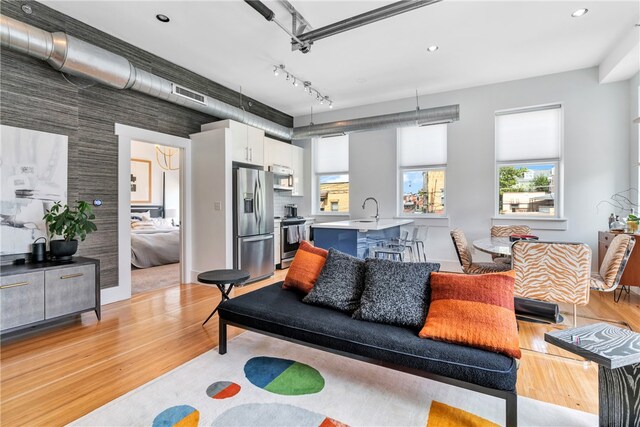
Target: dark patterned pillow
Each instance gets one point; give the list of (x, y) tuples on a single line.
[(396, 293), (340, 282)]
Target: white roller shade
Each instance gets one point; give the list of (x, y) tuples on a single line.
[(422, 146), (529, 135), (332, 154)]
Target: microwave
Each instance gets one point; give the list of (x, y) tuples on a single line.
[(282, 177)]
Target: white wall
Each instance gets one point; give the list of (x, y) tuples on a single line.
[(147, 151), (634, 137), (596, 136)]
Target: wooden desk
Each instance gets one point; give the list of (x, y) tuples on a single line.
[(631, 275)]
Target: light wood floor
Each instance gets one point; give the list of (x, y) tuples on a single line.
[(56, 376)]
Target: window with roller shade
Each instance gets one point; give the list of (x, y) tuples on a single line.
[(422, 165), (331, 169), (529, 161)]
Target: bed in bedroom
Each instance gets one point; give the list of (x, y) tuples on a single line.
[(154, 241)]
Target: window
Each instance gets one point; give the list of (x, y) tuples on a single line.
[(331, 168), (528, 161), (422, 164)]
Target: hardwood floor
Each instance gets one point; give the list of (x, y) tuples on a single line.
[(53, 377)]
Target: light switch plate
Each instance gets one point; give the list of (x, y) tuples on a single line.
[(217, 206)]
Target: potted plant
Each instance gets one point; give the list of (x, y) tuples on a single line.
[(69, 223)]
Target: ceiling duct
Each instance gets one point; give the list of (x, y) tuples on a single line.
[(73, 56), (76, 57), (417, 117)]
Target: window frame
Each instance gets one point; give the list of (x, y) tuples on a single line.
[(559, 163), (400, 198), (315, 203)]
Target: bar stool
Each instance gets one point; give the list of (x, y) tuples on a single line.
[(393, 250), (418, 245)]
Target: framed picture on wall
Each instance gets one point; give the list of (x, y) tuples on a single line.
[(140, 181)]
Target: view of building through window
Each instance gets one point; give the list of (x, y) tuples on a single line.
[(334, 193), (527, 189), (423, 191)]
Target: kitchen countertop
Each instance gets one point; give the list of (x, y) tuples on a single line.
[(364, 224)]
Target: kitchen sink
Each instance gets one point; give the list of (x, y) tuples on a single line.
[(365, 220)]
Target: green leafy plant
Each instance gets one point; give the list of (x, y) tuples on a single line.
[(70, 223)]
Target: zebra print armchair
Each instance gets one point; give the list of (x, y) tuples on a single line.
[(552, 271), (613, 264), (466, 261), (506, 231)]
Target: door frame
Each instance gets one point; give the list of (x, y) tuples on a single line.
[(125, 134)]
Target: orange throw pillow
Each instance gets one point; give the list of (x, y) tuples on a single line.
[(305, 268), (474, 310)]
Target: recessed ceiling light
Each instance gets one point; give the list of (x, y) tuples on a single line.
[(432, 48), (162, 18), (580, 12), (26, 9)]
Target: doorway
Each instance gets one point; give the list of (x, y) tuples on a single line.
[(155, 216), (127, 134)]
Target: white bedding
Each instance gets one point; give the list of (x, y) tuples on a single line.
[(154, 243)]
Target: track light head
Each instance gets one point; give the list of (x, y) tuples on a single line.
[(330, 104), (276, 71)]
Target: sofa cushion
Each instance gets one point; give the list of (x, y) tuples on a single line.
[(305, 267), (340, 282), (396, 293), (474, 310), (281, 312)]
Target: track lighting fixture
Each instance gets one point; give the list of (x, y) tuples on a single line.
[(307, 86)]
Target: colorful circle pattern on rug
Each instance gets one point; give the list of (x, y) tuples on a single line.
[(282, 376), (222, 390), (178, 416), (273, 415)]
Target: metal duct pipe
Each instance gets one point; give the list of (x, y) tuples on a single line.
[(76, 57), (429, 116), (364, 19)]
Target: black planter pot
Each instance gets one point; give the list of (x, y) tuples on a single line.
[(62, 249)]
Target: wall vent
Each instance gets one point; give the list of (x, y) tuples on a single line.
[(187, 93)]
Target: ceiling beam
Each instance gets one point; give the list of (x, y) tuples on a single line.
[(623, 62)]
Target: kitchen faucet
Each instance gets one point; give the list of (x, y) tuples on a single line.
[(365, 202)]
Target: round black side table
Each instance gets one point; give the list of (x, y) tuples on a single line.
[(220, 278)]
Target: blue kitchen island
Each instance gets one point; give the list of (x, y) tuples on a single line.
[(355, 237)]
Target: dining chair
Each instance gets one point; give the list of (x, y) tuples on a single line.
[(552, 271), (506, 231), (608, 277), (466, 261)]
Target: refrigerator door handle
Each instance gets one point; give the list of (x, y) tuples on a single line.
[(257, 238)]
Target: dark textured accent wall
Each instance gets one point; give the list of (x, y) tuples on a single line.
[(35, 96)]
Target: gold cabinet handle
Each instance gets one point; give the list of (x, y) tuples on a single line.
[(13, 285), (71, 276)]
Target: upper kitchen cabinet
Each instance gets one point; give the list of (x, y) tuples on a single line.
[(276, 153), (247, 143), (297, 164)]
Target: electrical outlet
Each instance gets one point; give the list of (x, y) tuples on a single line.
[(217, 206)]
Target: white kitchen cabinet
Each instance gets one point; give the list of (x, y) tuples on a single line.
[(276, 153), (247, 143), (297, 164)]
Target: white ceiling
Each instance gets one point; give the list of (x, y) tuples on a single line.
[(480, 42)]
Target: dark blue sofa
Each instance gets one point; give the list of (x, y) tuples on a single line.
[(281, 313)]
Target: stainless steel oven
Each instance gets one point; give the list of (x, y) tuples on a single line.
[(291, 234)]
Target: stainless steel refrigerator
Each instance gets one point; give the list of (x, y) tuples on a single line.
[(253, 222)]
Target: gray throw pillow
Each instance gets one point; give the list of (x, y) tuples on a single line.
[(396, 293), (340, 282)]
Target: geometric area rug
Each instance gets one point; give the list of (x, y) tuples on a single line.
[(263, 381)]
